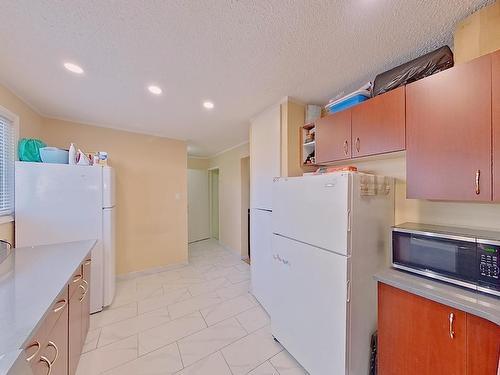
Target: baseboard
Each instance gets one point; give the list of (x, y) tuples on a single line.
[(150, 271)]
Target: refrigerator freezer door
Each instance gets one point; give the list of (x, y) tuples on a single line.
[(314, 210), (261, 238), (109, 254), (61, 203), (310, 316), (108, 187)]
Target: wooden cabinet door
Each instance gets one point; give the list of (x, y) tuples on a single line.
[(378, 125), (86, 299), (448, 134), (483, 346), (58, 345), (415, 335), (75, 328), (495, 75), (333, 137)]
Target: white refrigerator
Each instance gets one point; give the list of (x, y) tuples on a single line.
[(331, 234), (265, 165), (63, 203)]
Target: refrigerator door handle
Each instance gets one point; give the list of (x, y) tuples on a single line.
[(348, 298)]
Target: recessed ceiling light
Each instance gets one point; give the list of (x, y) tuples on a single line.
[(208, 105), (73, 68), (155, 90)]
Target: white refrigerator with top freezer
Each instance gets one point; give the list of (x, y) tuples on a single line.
[(63, 203), (331, 234)]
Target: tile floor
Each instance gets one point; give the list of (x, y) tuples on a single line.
[(198, 319)]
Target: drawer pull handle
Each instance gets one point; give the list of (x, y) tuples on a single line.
[(47, 362), (478, 178), (53, 345), (77, 278), (64, 303), (37, 344), (87, 262), (85, 289), (452, 332), (358, 144), (346, 148)]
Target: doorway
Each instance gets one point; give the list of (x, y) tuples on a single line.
[(198, 205), (245, 207), (213, 182)]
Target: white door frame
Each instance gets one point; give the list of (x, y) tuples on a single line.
[(210, 176)]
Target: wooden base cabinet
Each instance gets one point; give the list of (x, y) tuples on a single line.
[(56, 347), (417, 336)]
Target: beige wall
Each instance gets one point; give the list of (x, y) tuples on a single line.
[(151, 188), (431, 212), (229, 164), (30, 125), (197, 163), (151, 171)]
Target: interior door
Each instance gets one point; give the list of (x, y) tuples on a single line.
[(378, 125), (198, 205), (310, 305), (261, 239), (333, 137), (496, 123), (448, 134), (414, 335)]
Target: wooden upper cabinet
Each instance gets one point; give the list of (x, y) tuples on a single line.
[(333, 137), (495, 75), (417, 336), (378, 125), (483, 346), (448, 134)]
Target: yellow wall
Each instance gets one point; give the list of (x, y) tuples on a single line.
[(431, 212), (151, 222), (151, 227), (229, 164), (30, 125), (197, 163)]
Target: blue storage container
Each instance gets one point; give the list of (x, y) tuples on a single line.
[(54, 155), (348, 102)]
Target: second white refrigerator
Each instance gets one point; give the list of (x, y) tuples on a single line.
[(330, 236)]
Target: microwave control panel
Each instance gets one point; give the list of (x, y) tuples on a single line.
[(489, 263)]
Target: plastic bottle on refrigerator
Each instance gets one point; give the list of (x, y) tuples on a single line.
[(72, 154)]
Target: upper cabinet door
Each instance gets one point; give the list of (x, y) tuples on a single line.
[(333, 137), (495, 64), (378, 125), (448, 134)]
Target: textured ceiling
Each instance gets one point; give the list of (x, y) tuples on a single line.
[(243, 55)]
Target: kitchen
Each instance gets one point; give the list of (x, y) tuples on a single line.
[(314, 293)]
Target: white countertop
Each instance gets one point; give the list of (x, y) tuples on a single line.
[(37, 277)]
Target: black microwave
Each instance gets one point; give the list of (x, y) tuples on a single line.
[(466, 257)]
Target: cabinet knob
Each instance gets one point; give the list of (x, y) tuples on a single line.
[(346, 147), (452, 319), (478, 178), (358, 144), (85, 289)]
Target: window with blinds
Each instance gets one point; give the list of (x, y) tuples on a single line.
[(7, 156)]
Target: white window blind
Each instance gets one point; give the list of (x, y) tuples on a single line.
[(7, 156)]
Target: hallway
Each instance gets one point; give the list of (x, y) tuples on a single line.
[(197, 319)]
